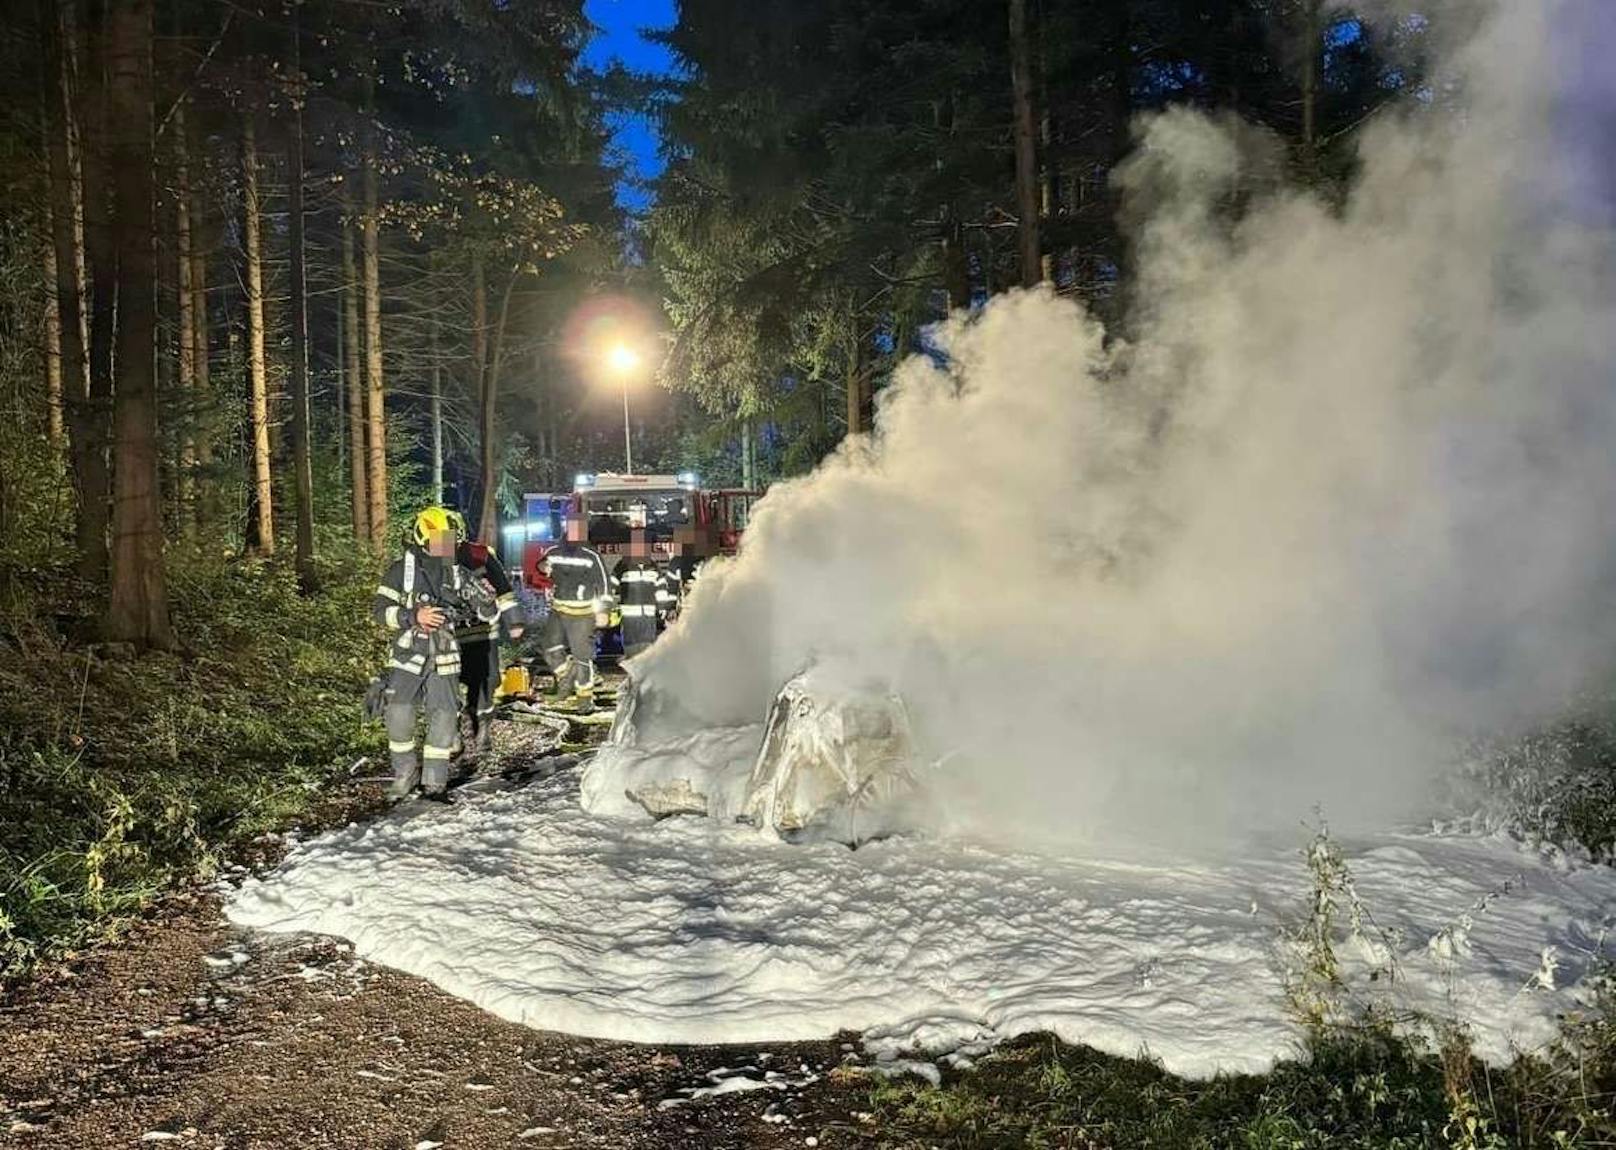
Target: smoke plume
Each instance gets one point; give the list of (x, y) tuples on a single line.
[(1344, 496)]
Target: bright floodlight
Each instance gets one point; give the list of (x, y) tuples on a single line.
[(623, 359)]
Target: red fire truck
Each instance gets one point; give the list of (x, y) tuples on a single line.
[(672, 508)]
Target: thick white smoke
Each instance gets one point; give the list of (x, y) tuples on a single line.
[(1348, 494)]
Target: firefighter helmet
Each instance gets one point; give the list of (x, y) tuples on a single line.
[(429, 522), (457, 524)]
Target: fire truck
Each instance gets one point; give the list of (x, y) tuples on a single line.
[(672, 508)]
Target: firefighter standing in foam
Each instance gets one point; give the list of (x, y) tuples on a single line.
[(579, 591), (643, 595), (417, 602), (479, 639)]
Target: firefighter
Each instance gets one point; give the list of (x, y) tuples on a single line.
[(579, 602), (479, 640), (689, 551), (424, 593), (642, 595)]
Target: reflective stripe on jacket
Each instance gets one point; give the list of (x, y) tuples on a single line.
[(642, 589), (578, 577)]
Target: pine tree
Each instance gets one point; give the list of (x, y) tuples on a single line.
[(137, 603)]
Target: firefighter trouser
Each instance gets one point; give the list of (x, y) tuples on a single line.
[(479, 673), (432, 770), (639, 630), (568, 642)]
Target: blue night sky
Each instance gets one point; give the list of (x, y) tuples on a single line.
[(619, 23)]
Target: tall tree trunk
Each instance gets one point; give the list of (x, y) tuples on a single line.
[(748, 464), (987, 253), (479, 368), (302, 462), (488, 520), (1121, 82), (66, 261), (342, 389), (855, 383), (95, 476), (137, 603), (1026, 144), (479, 357), (186, 360), (1122, 65), (956, 268), (553, 422), (358, 461), (437, 410), (822, 437), (545, 422), (1048, 176), (1312, 47), (201, 411), (51, 334), (261, 511), (541, 415), (376, 405), (165, 296)]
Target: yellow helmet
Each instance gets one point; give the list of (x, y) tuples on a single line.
[(457, 524), (429, 522)]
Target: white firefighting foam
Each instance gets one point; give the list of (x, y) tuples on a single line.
[(692, 930), (1344, 495)]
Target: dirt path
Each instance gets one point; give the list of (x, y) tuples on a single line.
[(194, 1033)]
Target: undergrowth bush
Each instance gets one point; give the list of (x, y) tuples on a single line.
[(1554, 785), (121, 776)]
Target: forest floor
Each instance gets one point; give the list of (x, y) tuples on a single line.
[(191, 1031), (194, 1032), (187, 1029)]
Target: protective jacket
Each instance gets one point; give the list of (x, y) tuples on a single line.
[(683, 569), (641, 595), (418, 580), (644, 590), (578, 578), (481, 561)]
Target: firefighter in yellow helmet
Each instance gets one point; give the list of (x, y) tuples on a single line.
[(424, 594)]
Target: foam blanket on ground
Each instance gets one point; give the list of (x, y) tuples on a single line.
[(687, 930)]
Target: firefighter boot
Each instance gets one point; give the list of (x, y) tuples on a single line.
[(482, 726), (404, 782)]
